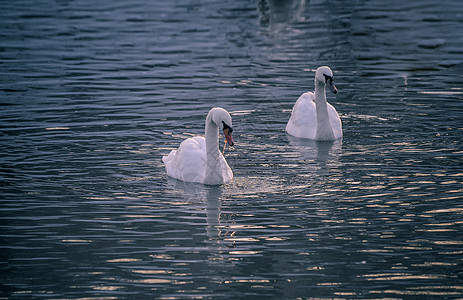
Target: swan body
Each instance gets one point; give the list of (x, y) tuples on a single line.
[(198, 159), (312, 116)]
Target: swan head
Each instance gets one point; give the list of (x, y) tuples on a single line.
[(325, 75), (223, 120)]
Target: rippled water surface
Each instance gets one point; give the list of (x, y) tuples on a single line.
[(94, 93)]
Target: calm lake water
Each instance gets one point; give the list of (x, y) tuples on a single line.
[(94, 93)]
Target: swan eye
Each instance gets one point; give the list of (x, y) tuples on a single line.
[(328, 78), (225, 126)]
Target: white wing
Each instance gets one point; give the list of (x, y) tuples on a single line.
[(303, 120)]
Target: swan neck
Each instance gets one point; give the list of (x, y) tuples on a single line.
[(324, 131), (212, 176), (320, 100), (212, 138)]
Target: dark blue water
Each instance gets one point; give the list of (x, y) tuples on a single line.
[(93, 94)]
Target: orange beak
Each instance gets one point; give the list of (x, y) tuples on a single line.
[(228, 137)]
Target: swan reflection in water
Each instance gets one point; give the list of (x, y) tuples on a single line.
[(216, 237), (219, 239), (281, 11), (320, 152)]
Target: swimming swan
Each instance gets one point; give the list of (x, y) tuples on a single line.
[(312, 117), (198, 159)]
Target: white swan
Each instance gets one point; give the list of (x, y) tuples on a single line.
[(312, 117), (198, 159)]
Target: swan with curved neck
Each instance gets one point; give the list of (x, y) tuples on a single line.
[(312, 116), (198, 159)]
